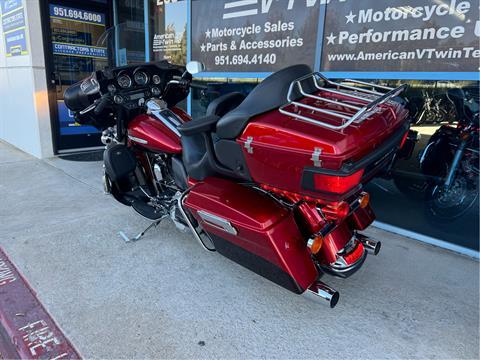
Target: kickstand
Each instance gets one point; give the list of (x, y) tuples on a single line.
[(140, 235)]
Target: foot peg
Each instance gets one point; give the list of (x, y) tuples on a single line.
[(140, 235), (370, 245), (323, 292)]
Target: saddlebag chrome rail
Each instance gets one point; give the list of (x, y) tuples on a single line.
[(377, 95)]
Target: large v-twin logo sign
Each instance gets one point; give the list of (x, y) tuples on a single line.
[(255, 35), (241, 8)]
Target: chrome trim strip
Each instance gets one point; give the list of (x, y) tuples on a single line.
[(167, 123), (217, 222), (138, 140)]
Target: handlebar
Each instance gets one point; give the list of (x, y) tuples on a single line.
[(103, 102), (100, 104)]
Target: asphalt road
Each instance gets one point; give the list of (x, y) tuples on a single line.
[(163, 297)]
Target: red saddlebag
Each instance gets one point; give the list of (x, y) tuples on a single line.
[(254, 231)]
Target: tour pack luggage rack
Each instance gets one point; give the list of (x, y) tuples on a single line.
[(375, 94)]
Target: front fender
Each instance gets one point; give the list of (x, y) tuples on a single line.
[(437, 153)]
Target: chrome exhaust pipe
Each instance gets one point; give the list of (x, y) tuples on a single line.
[(323, 292), (370, 245)]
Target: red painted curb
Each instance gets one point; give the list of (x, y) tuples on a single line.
[(26, 325)]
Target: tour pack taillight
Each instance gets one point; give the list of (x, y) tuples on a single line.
[(336, 184)]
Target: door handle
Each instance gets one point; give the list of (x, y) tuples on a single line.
[(56, 76)]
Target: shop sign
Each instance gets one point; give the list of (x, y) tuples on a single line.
[(14, 27), (79, 50), (402, 35), (254, 35)]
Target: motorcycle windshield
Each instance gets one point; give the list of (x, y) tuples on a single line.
[(124, 43)]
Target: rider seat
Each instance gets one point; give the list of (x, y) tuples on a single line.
[(270, 94), (209, 146)]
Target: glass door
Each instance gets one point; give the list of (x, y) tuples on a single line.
[(73, 31)]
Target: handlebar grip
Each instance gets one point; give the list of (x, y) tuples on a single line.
[(101, 105)]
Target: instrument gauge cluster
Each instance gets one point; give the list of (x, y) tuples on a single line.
[(156, 79), (129, 83), (124, 81), (141, 78)]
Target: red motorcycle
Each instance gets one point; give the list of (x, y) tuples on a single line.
[(272, 180)]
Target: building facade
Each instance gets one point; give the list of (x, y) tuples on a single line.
[(48, 45)]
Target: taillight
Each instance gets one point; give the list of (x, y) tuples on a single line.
[(337, 184)]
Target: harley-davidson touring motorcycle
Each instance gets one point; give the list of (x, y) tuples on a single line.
[(450, 160), (273, 180)]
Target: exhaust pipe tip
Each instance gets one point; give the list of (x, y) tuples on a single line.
[(376, 250), (324, 293), (334, 299), (370, 245)]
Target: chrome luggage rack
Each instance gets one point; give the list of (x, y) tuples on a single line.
[(374, 97)]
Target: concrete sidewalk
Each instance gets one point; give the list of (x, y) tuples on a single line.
[(164, 297)]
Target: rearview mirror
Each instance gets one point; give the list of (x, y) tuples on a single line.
[(195, 67)]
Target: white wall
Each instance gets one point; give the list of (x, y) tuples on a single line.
[(24, 111)]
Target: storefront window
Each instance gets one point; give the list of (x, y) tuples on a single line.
[(415, 198), (130, 32), (168, 31)]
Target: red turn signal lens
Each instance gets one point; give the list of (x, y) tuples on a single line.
[(337, 184), (315, 244)]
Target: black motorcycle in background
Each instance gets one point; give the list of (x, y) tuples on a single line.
[(450, 160), (432, 109)]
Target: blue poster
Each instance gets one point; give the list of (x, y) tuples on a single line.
[(13, 20), (84, 16), (9, 5), (68, 125), (14, 28), (79, 50), (16, 43)]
